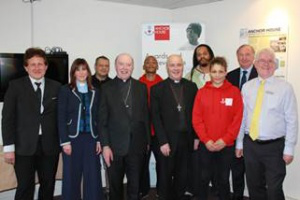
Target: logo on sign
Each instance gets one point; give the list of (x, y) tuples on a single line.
[(149, 30), (162, 32)]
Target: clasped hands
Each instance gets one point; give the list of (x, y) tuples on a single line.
[(215, 146)]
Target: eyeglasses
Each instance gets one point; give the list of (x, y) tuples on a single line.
[(265, 62)]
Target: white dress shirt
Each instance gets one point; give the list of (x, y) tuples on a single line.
[(278, 117)]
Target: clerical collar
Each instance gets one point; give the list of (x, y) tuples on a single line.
[(123, 81), (175, 81)]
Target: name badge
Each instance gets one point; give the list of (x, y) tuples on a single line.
[(228, 101)]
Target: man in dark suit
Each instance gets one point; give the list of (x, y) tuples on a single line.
[(124, 128), (246, 71), (172, 102), (29, 128)]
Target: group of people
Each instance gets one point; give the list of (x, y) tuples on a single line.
[(200, 127)]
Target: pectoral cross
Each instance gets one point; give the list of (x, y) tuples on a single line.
[(179, 107)]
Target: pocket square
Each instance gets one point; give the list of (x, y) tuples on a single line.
[(53, 98)]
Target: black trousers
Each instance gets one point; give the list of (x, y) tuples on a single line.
[(194, 171), (238, 177), (131, 165), (145, 177), (173, 171), (265, 169), (219, 163), (25, 168)]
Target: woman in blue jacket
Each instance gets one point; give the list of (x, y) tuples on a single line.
[(78, 104)]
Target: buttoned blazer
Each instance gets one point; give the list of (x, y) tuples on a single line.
[(70, 110), (165, 114), (122, 133), (21, 117)]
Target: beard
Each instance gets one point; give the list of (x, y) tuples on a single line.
[(203, 62)]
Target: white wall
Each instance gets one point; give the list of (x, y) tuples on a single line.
[(223, 22), (83, 28)]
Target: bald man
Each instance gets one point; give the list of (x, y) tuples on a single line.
[(172, 102), (124, 129)]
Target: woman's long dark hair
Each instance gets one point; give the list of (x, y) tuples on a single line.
[(80, 62), (195, 61)]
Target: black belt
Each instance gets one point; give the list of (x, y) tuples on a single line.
[(265, 141)]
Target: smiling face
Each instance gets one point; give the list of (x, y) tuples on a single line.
[(102, 67), (81, 74), (217, 74), (265, 64), (245, 57), (175, 67), (150, 65), (124, 66), (36, 67)]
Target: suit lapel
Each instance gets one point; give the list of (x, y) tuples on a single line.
[(253, 73)]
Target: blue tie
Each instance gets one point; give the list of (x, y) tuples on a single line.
[(244, 79)]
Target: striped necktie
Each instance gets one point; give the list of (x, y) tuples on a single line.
[(254, 127)]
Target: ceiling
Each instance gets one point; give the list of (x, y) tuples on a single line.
[(168, 4)]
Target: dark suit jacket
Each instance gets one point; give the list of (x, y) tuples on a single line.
[(21, 117), (69, 113), (165, 114), (234, 76), (122, 133)]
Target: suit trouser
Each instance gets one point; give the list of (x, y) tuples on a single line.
[(131, 165), (145, 177), (82, 164), (173, 171), (265, 169), (238, 177), (25, 168), (194, 170), (221, 160)]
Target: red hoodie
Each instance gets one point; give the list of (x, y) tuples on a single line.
[(149, 84), (218, 113)]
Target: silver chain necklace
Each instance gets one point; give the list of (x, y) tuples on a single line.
[(127, 95)]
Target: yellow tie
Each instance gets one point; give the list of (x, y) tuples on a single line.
[(254, 127)]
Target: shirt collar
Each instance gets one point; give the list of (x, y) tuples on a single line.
[(248, 70), (33, 81), (268, 80)]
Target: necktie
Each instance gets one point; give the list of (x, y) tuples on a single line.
[(38, 93), (244, 79), (254, 127)]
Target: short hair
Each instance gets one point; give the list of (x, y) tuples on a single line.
[(265, 50), (101, 57), (148, 57), (77, 63), (196, 27), (219, 61), (174, 55), (245, 45), (124, 54), (34, 51)]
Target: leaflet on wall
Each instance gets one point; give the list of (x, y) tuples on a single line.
[(164, 39), (274, 38)]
